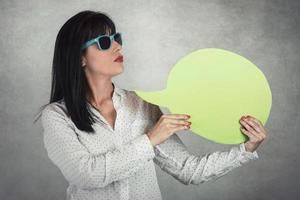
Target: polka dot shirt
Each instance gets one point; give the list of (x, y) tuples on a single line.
[(118, 163)]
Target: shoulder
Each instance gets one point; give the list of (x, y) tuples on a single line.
[(54, 111), (132, 100), (147, 109)]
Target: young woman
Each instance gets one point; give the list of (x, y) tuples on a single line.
[(105, 139)]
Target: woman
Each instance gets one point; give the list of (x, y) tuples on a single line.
[(105, 139)]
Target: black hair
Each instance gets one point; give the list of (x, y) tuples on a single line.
[(68, 77)]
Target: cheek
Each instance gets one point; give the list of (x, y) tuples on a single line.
[(100, 61)]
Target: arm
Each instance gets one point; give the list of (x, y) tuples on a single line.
[(87, 170), (172, 157)]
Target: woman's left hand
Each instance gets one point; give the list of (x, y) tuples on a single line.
[(254, 129)]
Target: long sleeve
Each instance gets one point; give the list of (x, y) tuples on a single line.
[(87, 170), (173, 157)]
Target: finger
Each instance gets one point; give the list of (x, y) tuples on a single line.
[(179, 121), (179, 128), (253, 124), (258, 122), (262, 131), (176, 116), (249, 128), (249, 134), (246, 132), (170, 125), (258, 128)]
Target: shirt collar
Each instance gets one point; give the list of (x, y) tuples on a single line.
[(119, 91), (118, 94), (117, 98)]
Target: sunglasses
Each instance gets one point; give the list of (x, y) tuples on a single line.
[(104, 41)]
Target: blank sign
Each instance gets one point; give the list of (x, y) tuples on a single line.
[(215, 87)]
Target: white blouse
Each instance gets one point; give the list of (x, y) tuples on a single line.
[(119, 163)]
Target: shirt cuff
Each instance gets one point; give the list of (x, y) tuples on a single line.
[(247, 155), (144, 147)]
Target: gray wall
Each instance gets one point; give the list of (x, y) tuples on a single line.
[(156, 34)]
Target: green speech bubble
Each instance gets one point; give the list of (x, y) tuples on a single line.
[(215, 87)]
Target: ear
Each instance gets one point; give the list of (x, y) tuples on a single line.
[(83, 61)]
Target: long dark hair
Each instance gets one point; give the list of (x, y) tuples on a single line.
[(68, 78)]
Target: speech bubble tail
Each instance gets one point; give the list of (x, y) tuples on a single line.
[(156, 97)]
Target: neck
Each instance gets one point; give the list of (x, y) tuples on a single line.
[(100, 90)]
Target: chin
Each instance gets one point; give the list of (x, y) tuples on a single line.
[(121, 67), (120, 70)]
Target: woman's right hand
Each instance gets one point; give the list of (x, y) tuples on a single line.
[(166, 126)]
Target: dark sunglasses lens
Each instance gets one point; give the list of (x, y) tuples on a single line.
[(104, 42), (118, 38)]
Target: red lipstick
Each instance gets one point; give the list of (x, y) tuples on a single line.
[(119, 59)]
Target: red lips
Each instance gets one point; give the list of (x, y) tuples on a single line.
[(119, 59)]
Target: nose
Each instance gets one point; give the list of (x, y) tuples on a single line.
[(116, 46)]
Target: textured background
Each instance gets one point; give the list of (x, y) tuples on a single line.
[(156, 34)]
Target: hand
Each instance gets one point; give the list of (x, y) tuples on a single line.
[(254, 129), (166, 126)]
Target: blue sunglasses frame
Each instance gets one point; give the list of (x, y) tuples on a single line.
[(96, 40)]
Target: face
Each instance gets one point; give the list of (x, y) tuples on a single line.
[(99, 62)]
